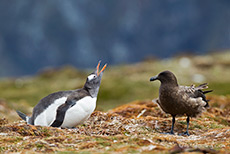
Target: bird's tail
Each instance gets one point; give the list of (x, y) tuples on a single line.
[(202, 86), (208, 91), (205, 92), (22, 115)]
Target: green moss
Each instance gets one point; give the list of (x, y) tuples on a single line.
[(196, 125), (120, 85), (182, 122), (132, 150), (2, 149), (104, 144), (17, 139), (220, 88), (38, 145), (85, 152), (73, 152), (220, 120), (215, 125)]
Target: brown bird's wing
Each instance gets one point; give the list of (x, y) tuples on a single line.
[(196, 92), (195, 98)]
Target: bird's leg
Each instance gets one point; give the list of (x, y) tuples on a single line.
[(186, 133), (173, 122)]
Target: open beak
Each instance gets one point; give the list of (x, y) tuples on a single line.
[(154, 78), (98, 66)]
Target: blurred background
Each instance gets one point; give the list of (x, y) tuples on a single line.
[(48, 46), (39, 34)]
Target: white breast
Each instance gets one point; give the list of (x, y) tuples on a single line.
[(49, 114), (79, 112)]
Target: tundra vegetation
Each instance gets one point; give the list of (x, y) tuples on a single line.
[(126, 120)]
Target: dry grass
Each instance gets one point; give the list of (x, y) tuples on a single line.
[(132, 128)]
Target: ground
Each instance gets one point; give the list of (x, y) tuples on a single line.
[(132, 128), (126, 120)]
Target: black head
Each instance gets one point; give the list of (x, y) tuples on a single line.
[(165, 77), (93, 81)]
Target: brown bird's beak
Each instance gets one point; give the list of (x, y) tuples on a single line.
[(98, 66), (154, 78)]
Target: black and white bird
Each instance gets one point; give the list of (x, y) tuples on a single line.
[(67, 108), (179, 100)]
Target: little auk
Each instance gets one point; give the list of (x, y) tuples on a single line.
[(179, 100), (67, 109)]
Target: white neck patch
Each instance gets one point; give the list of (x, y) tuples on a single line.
[(92, 76)]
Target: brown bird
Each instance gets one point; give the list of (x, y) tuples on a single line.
[(179, 100)]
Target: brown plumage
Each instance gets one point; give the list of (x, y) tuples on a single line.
[(180, 100)]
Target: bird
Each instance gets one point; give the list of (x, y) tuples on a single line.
[(180, 100), (66, 109)]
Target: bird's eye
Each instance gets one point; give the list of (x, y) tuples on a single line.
[(92, 76)]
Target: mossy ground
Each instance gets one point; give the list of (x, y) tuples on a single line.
[(116, 128), (136, 127)]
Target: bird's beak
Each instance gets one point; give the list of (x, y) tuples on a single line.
[(154, 78), (98, 66)]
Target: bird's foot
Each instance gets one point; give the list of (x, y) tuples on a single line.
[(185, 133)]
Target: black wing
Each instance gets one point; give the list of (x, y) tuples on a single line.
[(71, 101), (46, 102), (61, 113)]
